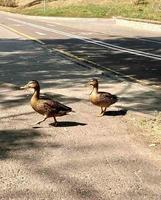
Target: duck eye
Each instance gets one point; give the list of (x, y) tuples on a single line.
[(31, 84)]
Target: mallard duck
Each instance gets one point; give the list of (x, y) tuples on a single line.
[(45, 106), (101, 99)]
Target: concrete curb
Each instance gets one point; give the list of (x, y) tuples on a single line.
[(139, 24), (147, 25)]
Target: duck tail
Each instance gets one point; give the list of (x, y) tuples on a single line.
[(72, 111), (68, 109), (115, 98)]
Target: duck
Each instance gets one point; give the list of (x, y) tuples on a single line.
[(44, 105), (101, 99)]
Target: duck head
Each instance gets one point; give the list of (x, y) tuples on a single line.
[(93, 82), (31, 84)]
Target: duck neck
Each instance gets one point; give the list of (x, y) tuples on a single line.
[(36, 94), (95, 90)]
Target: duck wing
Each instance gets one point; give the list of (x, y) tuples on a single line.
[(56, 107), (108, 97)]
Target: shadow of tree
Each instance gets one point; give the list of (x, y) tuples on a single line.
[(75, 187), (20, 140), (22, 61), (135, 66), (12, 140), (74, 174)]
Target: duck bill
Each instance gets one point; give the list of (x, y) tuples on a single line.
[(88, 84), (24, 87)]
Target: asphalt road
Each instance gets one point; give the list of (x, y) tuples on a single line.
[(85, 157), (127, 51)]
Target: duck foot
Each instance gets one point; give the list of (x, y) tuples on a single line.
[(100, 115), (39, 122), (36, 125), (55, 121), (102, 112), (55, 124)]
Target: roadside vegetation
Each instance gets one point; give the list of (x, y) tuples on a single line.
[(153, 124), (143, 9), (150, 126)]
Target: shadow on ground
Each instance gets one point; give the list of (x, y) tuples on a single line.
[(136, 66), (116, 112), (12, 141), (22, 61), (17, 145), (68, 124), (16, 140)]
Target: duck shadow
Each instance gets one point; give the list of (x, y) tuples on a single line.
[(116, 113), (68, 124), (36, 127)]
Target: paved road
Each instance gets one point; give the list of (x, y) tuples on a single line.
[(133, 53), (85, 157)]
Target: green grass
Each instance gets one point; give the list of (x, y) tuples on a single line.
[(100, 11), (71, 11)]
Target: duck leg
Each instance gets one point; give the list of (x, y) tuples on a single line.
[(101, 113), (104, 110), (39, 122), (55, 121)]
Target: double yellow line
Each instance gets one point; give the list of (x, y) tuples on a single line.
[(71, 56), (22, 34)]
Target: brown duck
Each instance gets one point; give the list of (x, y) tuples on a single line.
[(101, 99), (45, 106)]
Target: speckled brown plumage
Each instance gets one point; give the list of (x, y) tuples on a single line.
[(101, 99), (45, 106)]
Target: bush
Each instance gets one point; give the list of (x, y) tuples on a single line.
[(140, 2), (8, 3)]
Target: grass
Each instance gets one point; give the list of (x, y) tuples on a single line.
[(148, 127), (153, 124), (72, 11), (105, 10)]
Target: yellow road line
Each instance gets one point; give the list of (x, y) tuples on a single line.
[(144, 83), (80, 59), (22, 34)]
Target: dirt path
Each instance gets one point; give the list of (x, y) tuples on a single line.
[(85, 157)]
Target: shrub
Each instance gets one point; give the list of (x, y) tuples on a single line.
[(8, 3), (140, 2)]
